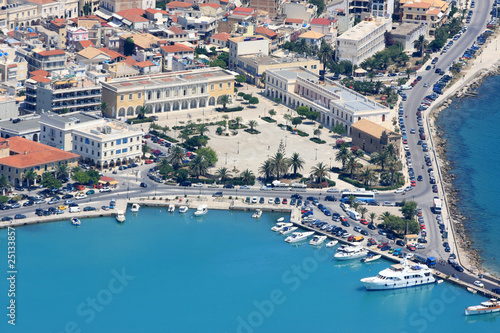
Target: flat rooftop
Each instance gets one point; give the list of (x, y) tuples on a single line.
[(362, 29), (24, 126), (270, 60), (114, 129), (72, 117)]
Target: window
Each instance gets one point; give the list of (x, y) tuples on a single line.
[(75, 148), (212, 87), (130, 96), (119, 142), (87, 141), (193, 91), (158, 94), (44, 128), (105, 154), (125, 140), (139, 95), (105, 145), (92, 152), (122, 97), (81, 139), (229, 85), (125, 150), (220, 86), (118, 151)]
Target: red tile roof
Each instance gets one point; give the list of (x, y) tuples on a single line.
[(133, 15), (213, 5), (224, 36), (32, 34), (178, 4), (39, 72), (111, 53), (321, 21), (40, 79), (177, 30), (30, 154), (86, 43), (52, 52), (11, 33), (176, 48), (265, 31), (291, 20), (243, 10), (145, 64)]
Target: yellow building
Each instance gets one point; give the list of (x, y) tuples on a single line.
[(167, 92)]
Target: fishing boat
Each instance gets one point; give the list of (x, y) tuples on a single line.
[(371, 257), (281, 225), (171, 208), (332, 243), (281, 219), (183, 209), (135, 208), (201, 210), (287, 230), (257, 214), (120, 216), (75, 221), (489, 306)]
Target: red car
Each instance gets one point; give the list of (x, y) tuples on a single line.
[(405, 141), (371, 241), (413, 183), (382, 245), (343, 219), (149, 161), (284, 201), (411, 247), (363, 221)]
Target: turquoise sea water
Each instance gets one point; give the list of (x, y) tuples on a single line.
[(471, 127), (224, 272)]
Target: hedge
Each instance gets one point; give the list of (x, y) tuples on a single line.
[(316, 140), (290, 129), (254, 131), (163, 136), (268, 119), (238, 108), (139, 121)]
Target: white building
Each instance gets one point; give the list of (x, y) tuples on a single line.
[(382, 8), (335, 103), (407, 33), (100, 142), (299, 10), (239, 46), (363, 40), (205, 25)]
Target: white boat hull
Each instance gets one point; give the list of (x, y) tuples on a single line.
[(372, 258), (332, 243), (357, 255), (482, 311), (135, 208), (288, 231), (372, 284), (299, 238)]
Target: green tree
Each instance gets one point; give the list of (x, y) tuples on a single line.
[(145, 150), (93, 176), (176, 157), (247, 177), (128, 47), (302, 110), (408, 210), (253, 101), (224, 99), (62, 171), (366, 176), (223, 174), (252, 124), (319, 171), (80, 177), (198, 166), (50, 182), (296, 121), (296, 163), (325, 54), (209, 154), (343, 156), (288, 118), (4, 183), (339, 129), (280, 164), (372, 217), (141, 112), (317, 132), (238, 121), (393, 166), (181, 175), (363, 211), (272, 113), (29, 177), (104, 108), (266, 169), (241, 78), (352, 165), (203, 128)]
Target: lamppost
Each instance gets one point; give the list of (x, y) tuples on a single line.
[(285, 139), (330, 163), (226, 158), (155, 189), (316, 154), (234, 164), (238, 147)]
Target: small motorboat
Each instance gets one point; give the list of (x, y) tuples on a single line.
[(120, 216), (299, 236), (287, 230), (257, 214), (471, 290), (201, 210), (75, 221), (371, 257), (486, 307), (317, 240), (280, 225), (281, 219), (171, 208), (183, 209), (332, 243), (135, 208)]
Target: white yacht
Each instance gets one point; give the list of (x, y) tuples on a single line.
[(135, 208), (350, 252), (371, 257), (299, 236), (183, 209), (486, 307), (400, 276), (120, 216), (317, 240), (288, 230), (75, 221), (171, 208), (280, 225), (257, 214), (201, 210), (332, 243)]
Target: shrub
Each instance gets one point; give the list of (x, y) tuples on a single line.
[(268, 119), (237, 108), (339, 142), (139, 121), (252, 131), (316, 140)]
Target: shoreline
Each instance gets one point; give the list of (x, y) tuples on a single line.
[(468, 255)]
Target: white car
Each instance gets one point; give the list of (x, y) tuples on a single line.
[(244, 187), (409, 255), (375, 191), (420, 246), (270, 201), (479, 284), (399, 190), (255, 200), (198, 185), (407, 148), (389, 204), (105, 189), (214, 185), (333, 190), (80, 196)]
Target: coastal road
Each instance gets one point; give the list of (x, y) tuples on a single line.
[(423, 192)]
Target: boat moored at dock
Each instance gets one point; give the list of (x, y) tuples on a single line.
[(120, 216), (332, 243), (183, 209), (281, 225), (350, 252), (201, 210), (371, 257), (257, 214), (299, 236), (288, 230), (171, 208), (75, 221), (317, 240), (400, 276), (135, 208), (490, 306)]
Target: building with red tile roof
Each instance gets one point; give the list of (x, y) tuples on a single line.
[(18, 155), (321, 21)]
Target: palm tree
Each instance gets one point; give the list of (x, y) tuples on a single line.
[(4, 183), (352, 164), (145, 149), (420, 44), (141, 112), (391, 151), (280, 164), (224, 99), (355, 205), (394, 165), (287, 118), (62, 171), (29, 176), (371, 75), (342, 156), (296, 163), (184, 135), (363, 211), (223, 174), (372, 217), (252, 124), (198, 166), (384, 215), (325, 54), (320, 171), (302, 47), (176, 157), (203, 128), (247, 176), (382, 160), (266, 169), (366, 176), (238, 120)]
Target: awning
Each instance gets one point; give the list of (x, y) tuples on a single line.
[(102, 15)]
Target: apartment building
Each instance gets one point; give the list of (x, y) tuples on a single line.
[(53, 60), (363, 40), (167, 92), (100, 142), (12, 66), (61, 94), (239, 46), (428, 12), (273, 7), (335, 103)]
